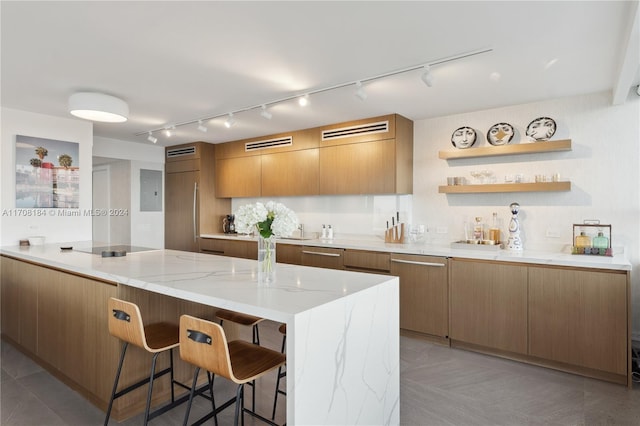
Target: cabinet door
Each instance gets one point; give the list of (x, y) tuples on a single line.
[(579, 317), (322, 257), (362, 168), (242, 249), (238, 177), (9, 297), (424, 286), (290, 173), (489, 304), (180, 220)]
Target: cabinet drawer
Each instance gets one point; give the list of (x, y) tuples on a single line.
[(372, 261), (212, 246), (322, 257)]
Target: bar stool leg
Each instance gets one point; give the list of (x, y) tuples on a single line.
[(281, 375), (191, 393), (153, 372), (115, 383)]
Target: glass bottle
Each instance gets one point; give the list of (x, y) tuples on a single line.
[(601, 241), (478, 229), (583, 240), (494, 231)]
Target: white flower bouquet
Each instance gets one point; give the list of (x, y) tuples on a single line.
[(271, 219)]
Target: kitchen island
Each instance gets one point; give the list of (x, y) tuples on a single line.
[(342, 327)]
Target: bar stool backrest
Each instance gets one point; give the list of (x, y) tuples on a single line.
[(204, 344), (125, 323)]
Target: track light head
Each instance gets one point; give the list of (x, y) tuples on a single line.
[(167, 131), (360, 93), (303, 100), (638, 89), (427, 77), (151, 138), (264, 113), (202, 127), (230, 122)]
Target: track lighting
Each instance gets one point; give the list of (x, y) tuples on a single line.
[(230, 121), (151, 138), (427, 77), (360, 93), (303, 100), (266, 114), (167, 131)]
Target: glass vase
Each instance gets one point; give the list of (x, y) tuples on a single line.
[(266, 260)]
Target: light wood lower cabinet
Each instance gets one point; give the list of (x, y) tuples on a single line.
[(489, 304), (245, 249), (424, 287), (579, 317), (289, 253), (322, 257)]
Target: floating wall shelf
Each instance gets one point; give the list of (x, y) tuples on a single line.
[(505, 187), (496, 151)]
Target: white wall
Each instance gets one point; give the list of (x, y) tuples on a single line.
[(146, 228), (55, 228)]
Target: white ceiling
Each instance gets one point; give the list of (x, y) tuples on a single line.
[(175, 62)]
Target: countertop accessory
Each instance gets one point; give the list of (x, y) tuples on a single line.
[(500, 134), (599, 234), (36, 241), (66, 248), (484, 245), (24, 243), (114, 253), (395, 234), (514, 243), (463, 137), (541, 129)]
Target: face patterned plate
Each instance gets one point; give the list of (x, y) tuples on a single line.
[(463, 137), (541, 129), (500, 134)]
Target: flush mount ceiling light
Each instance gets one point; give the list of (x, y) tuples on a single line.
[(427, 77), (360, 93), (230, 121), (266, 114), (303, 100), (98, 107), (151, 138), (202, 127)]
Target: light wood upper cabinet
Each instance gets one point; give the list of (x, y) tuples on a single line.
[(290, 173), (489, 304), (579, 317), (239, 177), (372, 156)]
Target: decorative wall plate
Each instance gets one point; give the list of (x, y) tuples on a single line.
[(463, 137), (541, 129), (500, 134)]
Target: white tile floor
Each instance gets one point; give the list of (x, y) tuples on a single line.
[(439, 386)]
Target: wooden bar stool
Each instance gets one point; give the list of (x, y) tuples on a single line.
[(125, 323), (281, 374), (204, 344), (248, 321)]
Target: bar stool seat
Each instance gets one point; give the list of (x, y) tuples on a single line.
[(125, 323), (204, 344), (241, 319)]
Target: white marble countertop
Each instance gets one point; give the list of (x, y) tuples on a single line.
[(224, 282), (541, 257)]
